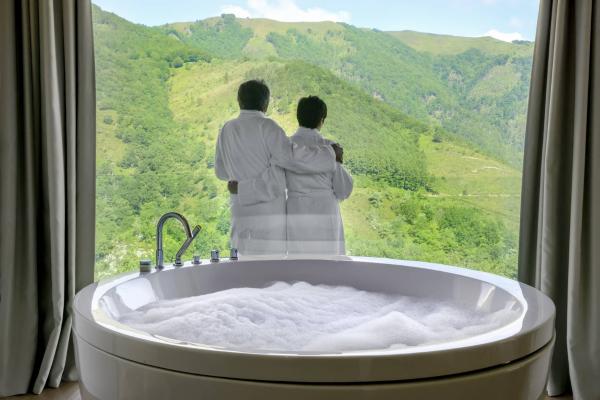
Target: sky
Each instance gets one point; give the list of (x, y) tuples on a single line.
[(503, 19)]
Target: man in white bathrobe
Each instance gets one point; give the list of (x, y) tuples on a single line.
[(253, 150), (314, 221)]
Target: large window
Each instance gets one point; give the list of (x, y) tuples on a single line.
[(432, 126)]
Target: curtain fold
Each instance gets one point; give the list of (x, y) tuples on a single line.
[(47, 186), (560, 210)]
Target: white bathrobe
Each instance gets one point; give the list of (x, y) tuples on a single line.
[(252, 149), (314, 222)]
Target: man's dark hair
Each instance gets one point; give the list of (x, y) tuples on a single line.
[(254, 95), (311, 111)]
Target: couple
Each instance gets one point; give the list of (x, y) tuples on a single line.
[(260, 162)]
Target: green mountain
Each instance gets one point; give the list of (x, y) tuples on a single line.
[(475, 88), (422, 191)]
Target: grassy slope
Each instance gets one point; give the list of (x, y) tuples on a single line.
[(451, 45), (471, 178), (261, 27)]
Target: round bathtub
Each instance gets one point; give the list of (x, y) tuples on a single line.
[(119, 362)]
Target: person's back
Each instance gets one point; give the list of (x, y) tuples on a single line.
[(308, 183), (259, 228), (246, 139), (314, 222)]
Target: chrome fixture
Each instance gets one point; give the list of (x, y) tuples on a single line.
[(191, 235), (214, 256), (233, 254), (197, 260), (145, 266)]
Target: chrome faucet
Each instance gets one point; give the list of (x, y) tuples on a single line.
[(191, 235)]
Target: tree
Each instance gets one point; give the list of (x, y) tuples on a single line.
[(177, 62)]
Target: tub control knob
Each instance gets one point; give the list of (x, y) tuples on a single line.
[(233, 254), (145, 266), (197, 260), (214, 256)]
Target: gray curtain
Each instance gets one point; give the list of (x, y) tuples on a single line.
[(560, 210), (47, 186)]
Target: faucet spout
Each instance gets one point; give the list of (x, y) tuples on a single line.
[(159, 236)]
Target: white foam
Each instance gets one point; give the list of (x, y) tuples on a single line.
[(305, 317)]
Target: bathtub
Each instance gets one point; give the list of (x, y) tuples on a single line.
[(119, 362)]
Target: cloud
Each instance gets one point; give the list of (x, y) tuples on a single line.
[(504, 36), (239, 12), (284, 10)]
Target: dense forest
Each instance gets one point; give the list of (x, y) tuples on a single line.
[(433, 135)]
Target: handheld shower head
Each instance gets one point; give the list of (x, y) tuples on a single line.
[(191, 236)]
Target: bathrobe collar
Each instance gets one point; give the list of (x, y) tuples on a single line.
[(251, 113), (302, 131)]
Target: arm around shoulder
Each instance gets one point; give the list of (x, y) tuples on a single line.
[(342, 182), (296, 158)]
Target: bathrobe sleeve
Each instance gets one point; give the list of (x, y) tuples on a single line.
[(342, 182), (296, 158), (268, 186), (219, 163), (287, 155)]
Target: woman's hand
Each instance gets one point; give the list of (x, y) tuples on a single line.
[(339, 152)]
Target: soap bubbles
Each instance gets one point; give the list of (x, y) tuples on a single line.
[(316, 318)]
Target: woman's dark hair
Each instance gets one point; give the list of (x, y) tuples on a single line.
[(254, 95), (311, 111)]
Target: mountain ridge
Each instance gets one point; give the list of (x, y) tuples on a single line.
[(253, 21)]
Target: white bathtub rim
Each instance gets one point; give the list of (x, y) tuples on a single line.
[(512, 287)]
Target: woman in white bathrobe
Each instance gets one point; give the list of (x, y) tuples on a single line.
[(253, 150), (314, 221)]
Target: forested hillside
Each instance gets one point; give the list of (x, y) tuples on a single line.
[(476, 89), (424, 189)]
